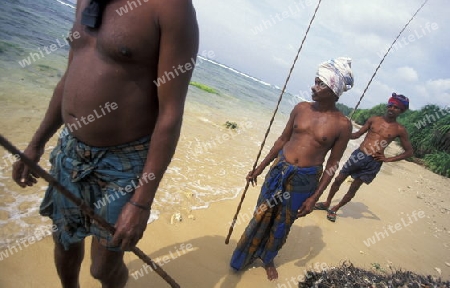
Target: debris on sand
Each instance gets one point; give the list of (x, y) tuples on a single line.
[(350, 276)]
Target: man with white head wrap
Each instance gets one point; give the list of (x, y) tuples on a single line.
[(336, 74), (295, 180)]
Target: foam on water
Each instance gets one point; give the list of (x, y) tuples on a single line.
[(66, 4)]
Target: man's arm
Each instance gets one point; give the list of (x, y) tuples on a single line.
[(179, 39), (49, 125), (406, 144), (363, 129), (332, 164), (277, 146), (178, 46)]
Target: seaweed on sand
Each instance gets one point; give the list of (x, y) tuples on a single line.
[(347, 275)]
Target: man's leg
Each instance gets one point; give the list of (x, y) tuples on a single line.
[(334, 189), (349, 195), (68, 263), (108, 266)]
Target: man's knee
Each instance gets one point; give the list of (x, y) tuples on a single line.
[(106, 264), (105, 273), (354, 188), (102, 272), (356, 184), (339, 179), (351, 193), (98, 273)]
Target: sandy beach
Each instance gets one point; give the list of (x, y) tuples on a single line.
[(404, 212), (399, 221)]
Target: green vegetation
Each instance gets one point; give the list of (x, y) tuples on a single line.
[(231, 125), (344, 109), (429, 133), (438, 163), (362, 115), (204, 87)]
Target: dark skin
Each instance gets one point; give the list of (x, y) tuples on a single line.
[(312, 130), (381, 131), (118, 62)]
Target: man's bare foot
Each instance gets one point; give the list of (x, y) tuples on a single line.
[(272, 273)]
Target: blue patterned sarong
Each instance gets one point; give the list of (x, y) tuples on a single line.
[(104, 177), (285, 189)]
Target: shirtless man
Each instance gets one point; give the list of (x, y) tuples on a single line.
[(365, 162), (292, 185), (115, 113)]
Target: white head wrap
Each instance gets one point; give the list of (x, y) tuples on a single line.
[(337, 74)]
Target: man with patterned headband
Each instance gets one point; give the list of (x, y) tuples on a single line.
[(365, 162), (295, 181)]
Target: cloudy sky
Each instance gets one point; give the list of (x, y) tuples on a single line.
[(261, 38)]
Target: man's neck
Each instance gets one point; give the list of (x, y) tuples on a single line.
[(390, 119), (324, 106)]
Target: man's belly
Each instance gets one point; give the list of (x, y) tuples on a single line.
[(104, 127), (373, 147), (108, 106), (303, 155)]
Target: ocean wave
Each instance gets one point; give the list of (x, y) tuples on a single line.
[(238, 72), (66, 4)]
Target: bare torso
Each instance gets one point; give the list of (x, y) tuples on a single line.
[(379, 135), (114, 64), (311, 138)]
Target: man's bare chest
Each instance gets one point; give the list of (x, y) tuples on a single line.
[(384, 130), (322, 129), (119, 38)]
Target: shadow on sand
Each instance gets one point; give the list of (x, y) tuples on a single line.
[(204, 261)]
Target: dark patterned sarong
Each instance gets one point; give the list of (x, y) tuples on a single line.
[(361, 166), (104, 177), (285, 189)]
